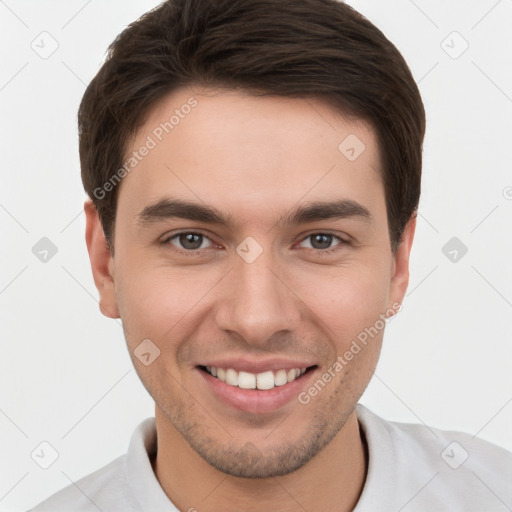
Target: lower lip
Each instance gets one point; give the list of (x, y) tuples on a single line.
[(256, 401)]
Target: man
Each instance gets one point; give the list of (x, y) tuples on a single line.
[(253, 169)]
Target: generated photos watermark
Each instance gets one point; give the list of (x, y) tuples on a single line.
[(152, 141), (357, 345)]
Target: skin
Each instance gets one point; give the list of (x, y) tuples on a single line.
[(255, 158)]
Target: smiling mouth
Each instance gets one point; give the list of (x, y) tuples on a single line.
[(262, 381)]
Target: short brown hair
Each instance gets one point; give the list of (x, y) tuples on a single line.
[(292, 48)]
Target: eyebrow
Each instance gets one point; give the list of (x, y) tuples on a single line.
[(169, 208)]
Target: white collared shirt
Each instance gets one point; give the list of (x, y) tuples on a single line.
[(411, 468)]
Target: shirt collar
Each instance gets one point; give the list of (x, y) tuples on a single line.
[(145, 487), (149, 495)]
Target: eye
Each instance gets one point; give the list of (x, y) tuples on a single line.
[(322, 241), (189, 240)]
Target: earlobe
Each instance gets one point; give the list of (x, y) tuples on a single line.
[(400, 264), (102, 262)]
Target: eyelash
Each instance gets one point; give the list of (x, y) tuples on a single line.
[(194, 252)]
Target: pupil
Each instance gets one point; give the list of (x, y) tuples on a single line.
[(190, 240), (321, 241)]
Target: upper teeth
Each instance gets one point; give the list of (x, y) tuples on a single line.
[(265, 380)]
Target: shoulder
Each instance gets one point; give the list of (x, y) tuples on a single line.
[(98, 490), (433, 468), (122, 485)]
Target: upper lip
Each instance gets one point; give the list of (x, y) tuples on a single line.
[(257, 366)]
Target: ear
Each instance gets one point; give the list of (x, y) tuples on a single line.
[(102, 262), (400, 265)]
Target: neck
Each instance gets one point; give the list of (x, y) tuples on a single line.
[(331, 481)]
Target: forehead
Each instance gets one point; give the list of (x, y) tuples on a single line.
[(253, 154)]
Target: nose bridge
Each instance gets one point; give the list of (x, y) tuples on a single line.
[(256, 303)]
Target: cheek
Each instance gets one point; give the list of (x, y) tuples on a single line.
[(346, 300), (157, 302)]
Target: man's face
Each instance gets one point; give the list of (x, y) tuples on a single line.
[(266, 292)]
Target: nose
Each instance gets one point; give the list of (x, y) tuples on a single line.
[(256, 302)]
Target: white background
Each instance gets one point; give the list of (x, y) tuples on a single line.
[(66, 375)]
